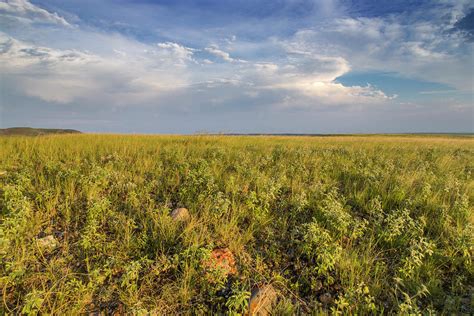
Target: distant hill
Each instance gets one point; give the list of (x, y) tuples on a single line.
[(29, 131)]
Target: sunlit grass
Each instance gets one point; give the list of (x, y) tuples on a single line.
[(379, 223)]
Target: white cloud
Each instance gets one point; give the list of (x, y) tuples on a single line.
[(120, 53), (64, 76), (214, 50), (313, 77), (131, 72), (267, 68), (137, 74), (416, 48), (25, 11), (87, 67), (230, 40), (301, 80), (180, 53)]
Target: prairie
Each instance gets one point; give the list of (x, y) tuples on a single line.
[(336, 225)]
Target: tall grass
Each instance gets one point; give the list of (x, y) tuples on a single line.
[(378, 224)]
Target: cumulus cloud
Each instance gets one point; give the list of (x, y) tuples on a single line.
[(294, 71), (278, 63), (25, 11), (417, 48), (137, 76), (180, 53), (301, 80), (313, 77), (214, 50), (64, 76)]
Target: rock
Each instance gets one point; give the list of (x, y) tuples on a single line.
[(120, 310), (317, 286), (48, 243), (221, 259), (180, 214), (262, 300), (325, 298)]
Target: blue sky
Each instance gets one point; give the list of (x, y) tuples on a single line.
[(295, 66)]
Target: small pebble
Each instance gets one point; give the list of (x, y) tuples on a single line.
[(262, 300), (180, 214), (325, 298), (48, 243)]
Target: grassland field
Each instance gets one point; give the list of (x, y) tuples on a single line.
[(335, 225)]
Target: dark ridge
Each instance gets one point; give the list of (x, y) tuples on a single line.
[(29, 131)]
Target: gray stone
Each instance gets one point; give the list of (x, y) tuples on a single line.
[(325, 298), (262, 300), (48, 243), (180, 214)]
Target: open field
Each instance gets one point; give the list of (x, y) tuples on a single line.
[(334, 224)]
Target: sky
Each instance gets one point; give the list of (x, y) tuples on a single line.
[(240, 66)]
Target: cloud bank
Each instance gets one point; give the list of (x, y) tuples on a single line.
[(24, 11), (253, 63)]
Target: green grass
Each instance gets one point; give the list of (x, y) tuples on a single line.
[(382, 224)]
